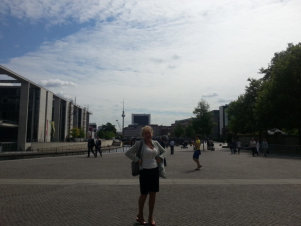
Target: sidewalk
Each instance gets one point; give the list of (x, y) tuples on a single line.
[(76, 190)]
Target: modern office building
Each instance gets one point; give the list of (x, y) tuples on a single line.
[(92, 129), (141, 119), (223, 119), (218, 123), (134, 131), (182, 122), (219, 119), (31, 113)]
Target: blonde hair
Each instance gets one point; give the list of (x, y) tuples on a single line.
[(146, 128)]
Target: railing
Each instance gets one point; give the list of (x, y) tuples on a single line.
[(115, 149), (83, 149), (281, 149), (12, 147), (8, 146), (285, 149)]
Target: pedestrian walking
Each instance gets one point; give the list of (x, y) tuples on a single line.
[(98, 147), (91, 145), (252, 146), (238, 146), (197, 152), (151, 164), (258, 147), (264, 146), (172, 147), (233, 146)]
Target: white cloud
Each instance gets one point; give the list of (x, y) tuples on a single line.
[(210, 95), (62, 94), (56, 83), (161, 56), (59, 11)]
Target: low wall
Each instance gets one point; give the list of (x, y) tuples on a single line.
[(53, 146), (58, 146), (64, 146), (276, 139), (8, 146)]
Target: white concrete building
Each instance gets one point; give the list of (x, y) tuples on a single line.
[(31, 113)]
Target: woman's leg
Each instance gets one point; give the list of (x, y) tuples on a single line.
[(197, 163), (141, 202), (151, 203)]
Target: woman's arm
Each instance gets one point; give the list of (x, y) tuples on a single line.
[(161, 150), (131, 153)]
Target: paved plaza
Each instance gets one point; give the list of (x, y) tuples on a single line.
[(76, 190)]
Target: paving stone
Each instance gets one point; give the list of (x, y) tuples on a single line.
[(76, 190)]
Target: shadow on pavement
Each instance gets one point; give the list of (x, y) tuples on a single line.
[(136, 224), (191, 171)]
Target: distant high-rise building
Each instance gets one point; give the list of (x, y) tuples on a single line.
[(92, 127), (141, 119), (223, 118)]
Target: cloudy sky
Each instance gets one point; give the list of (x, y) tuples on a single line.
[(160, 56)]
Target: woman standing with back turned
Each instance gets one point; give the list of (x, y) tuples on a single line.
[(151, 155)]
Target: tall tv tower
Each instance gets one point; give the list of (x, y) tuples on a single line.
[(123, 115)]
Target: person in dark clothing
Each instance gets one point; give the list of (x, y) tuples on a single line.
[(238, 146), (91, 145), (252, 146), (161, 142), (172, 147), (234, 146), (98, 147)]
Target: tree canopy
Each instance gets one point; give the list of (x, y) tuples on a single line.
[(274, 101), (242, 116), (281, 96), (202, 123), (178, 131), (107, 131)]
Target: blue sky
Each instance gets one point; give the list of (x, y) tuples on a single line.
[(160, 57), (19, 37)]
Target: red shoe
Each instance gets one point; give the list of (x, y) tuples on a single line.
[(141, 221)]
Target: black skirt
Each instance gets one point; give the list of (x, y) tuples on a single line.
[(149, 180)]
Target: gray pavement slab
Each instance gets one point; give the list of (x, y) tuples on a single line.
[(76, 190)]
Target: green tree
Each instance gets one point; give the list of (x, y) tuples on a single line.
[(241, 113), (202, 123), (107, 131), (109, 127), (81, 133), (75, 132), (236, 115), (189, 131), (279, 102), (178, 131)]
